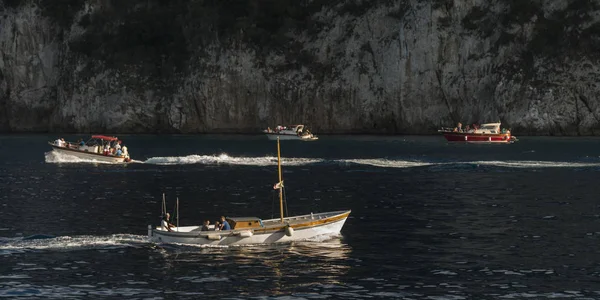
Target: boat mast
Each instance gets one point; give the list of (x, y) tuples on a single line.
[(280, 180), (164, 206)]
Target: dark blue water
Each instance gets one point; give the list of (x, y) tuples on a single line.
[(430, 220)]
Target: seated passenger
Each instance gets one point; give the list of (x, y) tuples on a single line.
[(205, 225), (165, 224), (119, 153), (224, 224), (217, 226)]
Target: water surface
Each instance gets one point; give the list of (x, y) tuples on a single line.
[(430, 220)]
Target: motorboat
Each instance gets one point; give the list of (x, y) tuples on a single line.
[(98, 147), (252, 230), (291, 132), (486, 133)]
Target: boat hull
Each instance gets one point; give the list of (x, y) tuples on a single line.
[(274, 136), (304, 228), (502, 138), (88, 155)]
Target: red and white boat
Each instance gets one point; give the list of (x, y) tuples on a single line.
[(99, 147), (486, 133)]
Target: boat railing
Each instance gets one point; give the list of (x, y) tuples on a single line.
[(446, 129)]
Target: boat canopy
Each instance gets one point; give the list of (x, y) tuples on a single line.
[(490, 126), (105, 138)]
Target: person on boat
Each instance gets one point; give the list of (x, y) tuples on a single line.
[(119, 153), (60, 142), (81, 143), (125, 152), (217, 226), (106, 149), (459, 127), (224, 224), (165, 224), (205, 225), (118, 145)]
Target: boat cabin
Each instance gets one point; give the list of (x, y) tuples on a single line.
[(297, 128), (493, 128), (292, 129), (245, 222)]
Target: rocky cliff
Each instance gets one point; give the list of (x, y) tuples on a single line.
[(339, 66)]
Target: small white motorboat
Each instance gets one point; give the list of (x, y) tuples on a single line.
[(253, 230), (291, 132), (98, 147)]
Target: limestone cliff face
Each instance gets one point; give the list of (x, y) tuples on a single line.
[(378, 66)]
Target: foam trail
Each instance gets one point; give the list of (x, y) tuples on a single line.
[(536, 164), (226, 159), (67, 243), (53, 157), (386, 163)]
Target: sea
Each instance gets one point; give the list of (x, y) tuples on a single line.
[(430, 219)]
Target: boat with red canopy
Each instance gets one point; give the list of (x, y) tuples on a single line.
[(486, 133), (99, 147)]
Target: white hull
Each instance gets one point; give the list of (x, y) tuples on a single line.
[(274, 136), (88, 155), (304, 228)]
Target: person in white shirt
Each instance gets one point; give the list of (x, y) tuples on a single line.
[(165, 224), (60, 142)]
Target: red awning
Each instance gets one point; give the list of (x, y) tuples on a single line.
[(103, 137)]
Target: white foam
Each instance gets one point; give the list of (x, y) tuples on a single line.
[(387, 163), (536, 164), (226, 159), (67, 243)]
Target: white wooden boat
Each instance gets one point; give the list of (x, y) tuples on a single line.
[(253, 230), (93, 149), (291, 132)]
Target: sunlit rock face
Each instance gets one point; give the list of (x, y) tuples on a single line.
[(378, 66)]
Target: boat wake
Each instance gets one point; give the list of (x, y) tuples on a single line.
[(537, 164), (225, 159), (374, 162), (46, 243), (39, 242)]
